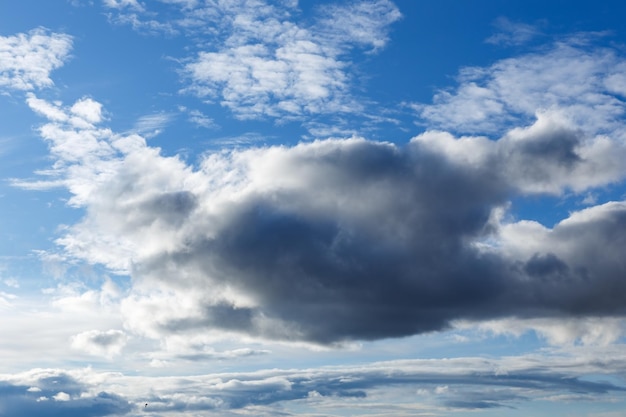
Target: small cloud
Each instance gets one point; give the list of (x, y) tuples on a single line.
[(152, 124), (11, 282), (443, 389), (62, 396), (512, 33), (99, 343), (200, 119), (88, 109)]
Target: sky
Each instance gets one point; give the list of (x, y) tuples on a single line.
[(312, 208)]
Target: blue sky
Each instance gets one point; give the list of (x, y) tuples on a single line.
[(297, 208)]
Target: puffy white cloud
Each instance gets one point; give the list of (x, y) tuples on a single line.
[(27, 59), (88, 109)]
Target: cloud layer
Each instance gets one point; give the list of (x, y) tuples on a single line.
[(414, 386)]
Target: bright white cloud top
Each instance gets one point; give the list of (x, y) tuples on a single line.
[(242, 208)]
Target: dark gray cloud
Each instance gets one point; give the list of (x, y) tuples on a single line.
[(374, 241)]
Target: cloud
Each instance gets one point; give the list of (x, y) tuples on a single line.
[(568, 77), (201, 120), (389, 244), (27, 59), (122, 4), (152, 124), (512, 33), (350, 239), (105, 343), (263, 62), (364, 23), (588, 331), (460, 383), (54, 393)]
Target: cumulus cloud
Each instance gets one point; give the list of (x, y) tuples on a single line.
[(103, 343), (27, 59), (388, 245)]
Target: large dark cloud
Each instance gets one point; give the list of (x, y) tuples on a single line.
[(366, 240)]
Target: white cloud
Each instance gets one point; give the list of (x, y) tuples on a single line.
[(364, 22), (62, 396), (152, 124), (294, 77), (586, 331), (26, 60), (123, 4), (200, 119), (263, 62), (567, 78), (88, 109), (49, 110), (102, 343)]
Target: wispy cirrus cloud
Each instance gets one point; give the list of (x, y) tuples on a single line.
[(27, 59)]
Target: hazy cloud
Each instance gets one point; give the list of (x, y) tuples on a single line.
[(512, 33)]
